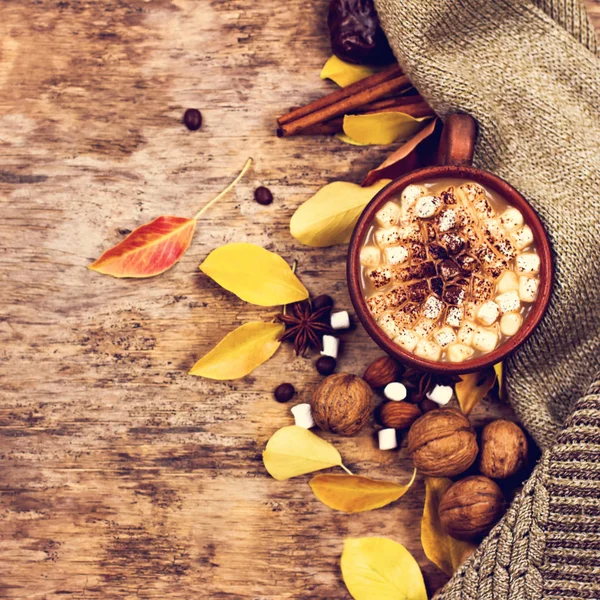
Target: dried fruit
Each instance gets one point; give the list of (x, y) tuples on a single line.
[(326, 365), (442, 443), (399, 415), (381, 371), (342, 404), (192, 119), (263, 195), (503, 449), (471, 507), (284, 392)]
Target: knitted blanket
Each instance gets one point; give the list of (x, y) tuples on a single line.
[(529, 73)]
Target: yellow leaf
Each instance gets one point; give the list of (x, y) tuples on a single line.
[(348, 140), (499, 369), (352, 494), (381, 127), (473, 388), (441, 549), (294, 451), (240, 351), (380, 569), (254, 274), (344, 73), (329, 217)]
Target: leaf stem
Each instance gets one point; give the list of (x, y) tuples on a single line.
[(294, 265), (346, 469), (227, 189)]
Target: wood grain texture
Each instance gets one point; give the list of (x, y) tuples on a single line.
[(120, 475)]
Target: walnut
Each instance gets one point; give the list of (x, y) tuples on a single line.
[(471, 507), (442, 443), (503, 449), (342, 404)]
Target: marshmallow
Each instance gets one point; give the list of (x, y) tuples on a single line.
[(459, 352), (380, 276), (387, 439), (411, 194), (387, 237), (507, 281), (470, 310), (441, 394), (473, 191), (454, 316), (488, 312), (388, 214), (528, 263), (396, 255), (424, 327), (410, 233), (395, 391), (432, 307), (484, 339), (377, 304), (511, 218), (447, 220), (389, 324), (427, 206), (340, 320), (407, 339), (369, 256), (445, 336), (508, 302), (528, 288), (428, 349), (466, 333), (331, 346), (303, 416), (511, 323), (522, 237)]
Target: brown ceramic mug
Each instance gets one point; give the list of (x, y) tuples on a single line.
[(454, 158)]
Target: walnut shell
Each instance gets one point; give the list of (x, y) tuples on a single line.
[(399, 415), (471, 507), (503, 449), (342, 403), (381, 371), (442, 443)]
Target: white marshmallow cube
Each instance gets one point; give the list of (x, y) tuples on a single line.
[(411, 194), (428, 349), (427, 206), (528, 289), (511, 218), (396, 255), (388, 214), (466, 333), (432, 307), (441, 394), (303, 416), (407, 339), (488, 312), (528, 263), (508, 302), (445, 336), (389, 325), (484, 339), (340, 320), (459, 352), (370, 256), (387, 439), (424, 327), (523, 237), (331, 346), (387, 237), (507, 281), (395, 391), (454, 316), (511, 323)]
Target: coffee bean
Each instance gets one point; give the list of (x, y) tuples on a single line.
[(322, 301), (284, 392), (326, 365), (192, 119), (263, 195)]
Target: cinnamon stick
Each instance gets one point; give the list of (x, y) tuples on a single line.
[(341, 94), (364, 94)]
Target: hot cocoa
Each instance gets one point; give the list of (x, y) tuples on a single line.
[(449, 270)]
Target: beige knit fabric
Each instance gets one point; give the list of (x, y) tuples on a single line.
[(530, 76)]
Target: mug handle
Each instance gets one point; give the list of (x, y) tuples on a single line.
[(457, 143)]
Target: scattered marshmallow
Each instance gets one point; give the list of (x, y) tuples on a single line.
[(528, 289), (511, 218), (441, 394), (388, 214), (387, 237), (428, 349), (427, 206), (511, 323), (395, 391), (387, 439), (331, 346), (528, 263), (303, 416), (523, 237), (340, 320), (459, 352), (488, 312), (508, 281), (485, 339), (508, 302), (396, 255), (369, 256)]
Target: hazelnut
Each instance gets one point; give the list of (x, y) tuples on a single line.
[(503, 449), (342, 403), (399, 415), (442, 443), (381, 371), (471, 507)]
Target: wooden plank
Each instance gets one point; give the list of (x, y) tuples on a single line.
[(121, 476)]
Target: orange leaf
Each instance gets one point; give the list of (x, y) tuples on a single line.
[(149, 250), (419, 151)]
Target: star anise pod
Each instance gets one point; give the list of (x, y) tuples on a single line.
[(305, 326), (418, 383)]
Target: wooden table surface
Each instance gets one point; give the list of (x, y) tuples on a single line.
[(120, 475)]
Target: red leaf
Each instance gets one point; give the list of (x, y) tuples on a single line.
[(149, 250), (419, 151)]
